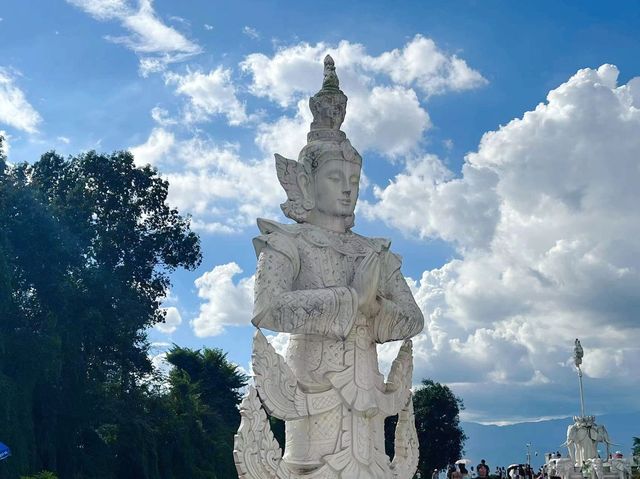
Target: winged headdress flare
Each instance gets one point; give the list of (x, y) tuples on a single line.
[(325, 141)]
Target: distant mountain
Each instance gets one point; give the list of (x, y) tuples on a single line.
[(504, 445)]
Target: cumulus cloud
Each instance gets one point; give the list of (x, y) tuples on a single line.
[(422, 63), (292, 72), (384, 111), (221, 190), (15, 110), (172, 320), (544, 217), (156, 44), (226, 303), (426, 200), (209, 94), (159, 143)]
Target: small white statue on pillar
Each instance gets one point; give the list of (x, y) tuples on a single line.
[(337, 294)]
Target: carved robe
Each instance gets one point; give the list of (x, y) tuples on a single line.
[(302, 287)]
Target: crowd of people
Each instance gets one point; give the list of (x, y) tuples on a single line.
[(459, 471), (482, 471)]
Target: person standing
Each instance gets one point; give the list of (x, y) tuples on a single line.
[(483, 469)]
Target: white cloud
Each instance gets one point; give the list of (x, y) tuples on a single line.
[(224, 192), (384, 112), (208, 27), (103, 9), (286, 135), (292, 73), (226, 303), (15, 110), (209, 94), (158, 356), (173, 319), (251, 32), (161, 116), (426, 200), (158, 144), (64, 139), (545, 219), (156, 43), (422, 63)]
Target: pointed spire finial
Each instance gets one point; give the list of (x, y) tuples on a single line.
[(328, 106), (331, 81)]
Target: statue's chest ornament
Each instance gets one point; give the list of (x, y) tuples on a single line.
[(348, 244)]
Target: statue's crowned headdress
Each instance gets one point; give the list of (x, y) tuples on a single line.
[(328, 107), (325, 141)]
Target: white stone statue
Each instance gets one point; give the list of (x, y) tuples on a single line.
[(337, 294), (620, 466), (596, 468), (583, 437), (578, 353), (563, 467)]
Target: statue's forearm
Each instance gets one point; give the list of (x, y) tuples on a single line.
[(397, 320), (399, 316), (328, 312)]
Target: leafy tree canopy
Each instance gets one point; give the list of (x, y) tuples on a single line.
[(87, 246), (437, 412)]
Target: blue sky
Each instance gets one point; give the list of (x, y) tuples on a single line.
[(500, 143)]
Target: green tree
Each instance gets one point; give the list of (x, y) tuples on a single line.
[(441, 438), (87, 246), (636, 447), (41, 475), (205, 394), (437, 412)]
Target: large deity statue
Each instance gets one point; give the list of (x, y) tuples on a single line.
[(338, 295)]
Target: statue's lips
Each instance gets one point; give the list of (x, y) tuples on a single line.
[(345, 202)]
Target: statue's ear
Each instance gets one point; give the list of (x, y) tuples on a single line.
[(304, 183)]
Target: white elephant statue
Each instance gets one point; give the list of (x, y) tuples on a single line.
[(583, 437), (581, 442), (603, 436)]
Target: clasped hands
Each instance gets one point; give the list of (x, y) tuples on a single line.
[(365, 281)]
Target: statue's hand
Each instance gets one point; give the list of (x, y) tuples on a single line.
[(365, 282)]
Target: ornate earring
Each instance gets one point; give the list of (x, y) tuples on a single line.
[(308, 204)]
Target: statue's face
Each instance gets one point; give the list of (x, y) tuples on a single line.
[(337, 183)]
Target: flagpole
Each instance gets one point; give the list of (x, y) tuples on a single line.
[(581, 391)]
